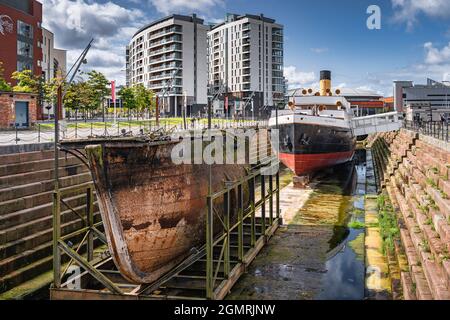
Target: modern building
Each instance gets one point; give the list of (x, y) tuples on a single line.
[(428, 101), (53, 64), (54, 60), (398, 93), (245, 61), (169, 57), (20, 36)]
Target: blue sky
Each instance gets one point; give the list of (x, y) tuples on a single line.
[(412, 44)]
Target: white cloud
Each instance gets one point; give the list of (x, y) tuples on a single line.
[(74, 23), (435, 55), (319, 50), (177, 6), (298, 78), (408, 10)]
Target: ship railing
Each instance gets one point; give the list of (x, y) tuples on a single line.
[(383, 122)]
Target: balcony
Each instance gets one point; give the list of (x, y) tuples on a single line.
[(162, 84), (175, 47), (164, 41), (166, 58), (170, 30), (166, 66), (245, 34), (246, 48), (246, 27), (166, 75), (246, 87), (246, 57), (246, 79)]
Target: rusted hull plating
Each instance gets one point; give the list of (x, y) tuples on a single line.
[(154, 212)]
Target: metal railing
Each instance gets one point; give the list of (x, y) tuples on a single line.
[(44, 133), (435, 129)]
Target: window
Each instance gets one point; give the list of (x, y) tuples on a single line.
[(24, 49), (24, 65), (24, 29)]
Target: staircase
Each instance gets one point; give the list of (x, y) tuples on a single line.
[(416, 176), (26, 186)]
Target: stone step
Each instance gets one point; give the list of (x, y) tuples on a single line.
[(37, 267), (34, 240), (31, 201), (422, 289), (22, 230), (42, 186), (23, 167), (41, 175), (408, 286), (438, 289), (27, 156), (20, 259)]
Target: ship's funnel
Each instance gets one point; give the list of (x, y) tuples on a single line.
[(325, 82)]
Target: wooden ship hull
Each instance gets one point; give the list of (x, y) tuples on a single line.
[(153, 211)]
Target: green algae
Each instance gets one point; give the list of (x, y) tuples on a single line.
[(357, 246)]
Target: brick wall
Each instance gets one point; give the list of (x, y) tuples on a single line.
[(7, 108)]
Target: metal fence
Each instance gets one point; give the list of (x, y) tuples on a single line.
[(44, 132), (435, 129)]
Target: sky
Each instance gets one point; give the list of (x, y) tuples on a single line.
[(413, 42)]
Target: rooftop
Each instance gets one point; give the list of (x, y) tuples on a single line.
[(173, 16), (235, 17)]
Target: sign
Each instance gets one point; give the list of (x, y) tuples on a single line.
[(113, 91), (6, 24)]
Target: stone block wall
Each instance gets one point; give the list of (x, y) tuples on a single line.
[(415, 173)]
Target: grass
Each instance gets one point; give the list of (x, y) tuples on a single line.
[(387, 221), (124, 123), (355, 224)]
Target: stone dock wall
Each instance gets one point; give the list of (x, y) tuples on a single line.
[(414, 171)]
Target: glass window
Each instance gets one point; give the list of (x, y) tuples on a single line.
[(24, 49), (24, 29), (24, 65)]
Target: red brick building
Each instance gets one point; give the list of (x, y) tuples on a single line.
[(17, 110), (20, 36)]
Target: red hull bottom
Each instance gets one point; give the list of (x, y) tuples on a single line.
[(302, 164)]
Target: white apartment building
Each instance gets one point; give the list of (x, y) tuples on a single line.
[(53, 61), (245, 59), (172, 48)]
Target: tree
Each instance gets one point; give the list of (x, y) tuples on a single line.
[(26, 82), (49, 89), (99, 86), (128, 98), (143, 98), (4, 86), (80, 96)]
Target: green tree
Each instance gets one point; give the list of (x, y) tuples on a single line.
[(99, 88), (143, 98), (49, 89), (80, 96), (26, 82), (4, 86), (128, 98)]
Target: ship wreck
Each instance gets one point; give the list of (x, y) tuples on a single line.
[(154, 211)]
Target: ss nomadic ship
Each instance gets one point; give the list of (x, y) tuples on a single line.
[(315, 130)]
